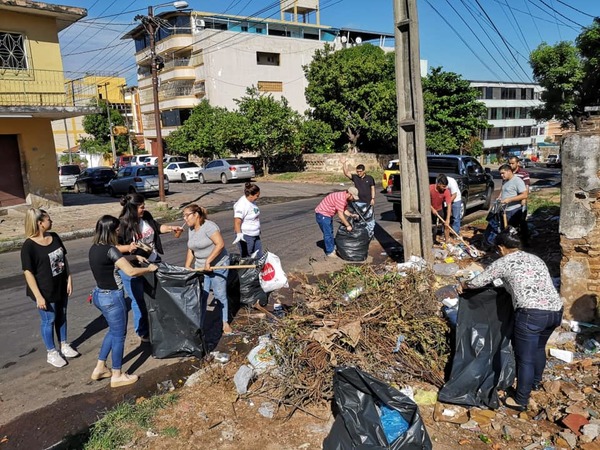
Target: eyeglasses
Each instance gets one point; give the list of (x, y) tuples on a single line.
[(185, 216)]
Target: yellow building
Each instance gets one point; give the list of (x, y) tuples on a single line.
[(32, 94)]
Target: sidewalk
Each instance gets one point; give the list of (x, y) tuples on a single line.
[(78, 217)]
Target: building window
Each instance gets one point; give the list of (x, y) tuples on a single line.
[(508, 94), (245, 28), (12, 51), (270, 86), (267, 59)]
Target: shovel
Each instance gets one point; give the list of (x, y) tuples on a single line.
[(473, 252), (243, 266)]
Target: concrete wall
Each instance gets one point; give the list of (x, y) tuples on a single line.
[(580, 223), (38, 159), (332, 162)]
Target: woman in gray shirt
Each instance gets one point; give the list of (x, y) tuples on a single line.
[(206, 249)]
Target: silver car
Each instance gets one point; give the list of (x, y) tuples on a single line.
[(140, 179), (225, 170)]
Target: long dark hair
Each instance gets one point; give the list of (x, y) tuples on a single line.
[(106, 230), (509, 238), (250, 189), (129, 217)]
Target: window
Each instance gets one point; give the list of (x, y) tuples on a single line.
[(267, 59), (508, 94), (12, 51), (270, 86)]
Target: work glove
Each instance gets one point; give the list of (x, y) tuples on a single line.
[(239, 237)]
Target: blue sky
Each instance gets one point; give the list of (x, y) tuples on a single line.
[(479, 39)]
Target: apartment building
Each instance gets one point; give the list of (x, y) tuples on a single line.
[(32, 95), (211, 56), (509, 111)]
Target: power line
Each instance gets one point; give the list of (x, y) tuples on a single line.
[(518, 27), (560, 14), (533, 19), (575, 9)]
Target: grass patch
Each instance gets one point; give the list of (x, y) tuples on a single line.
[(120, 425), (170, 432), (543, 199)]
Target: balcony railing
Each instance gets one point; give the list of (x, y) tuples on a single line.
[(43, 88)]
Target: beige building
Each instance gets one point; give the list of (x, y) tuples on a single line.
[(211, 56), (32, 95)]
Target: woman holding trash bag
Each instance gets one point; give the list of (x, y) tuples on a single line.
[(538, 310), (139, 234), (206, 249), (49, 282), (107, 262), (246, 222)]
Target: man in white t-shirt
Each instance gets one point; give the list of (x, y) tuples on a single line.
[(456, 197), (246, 221)]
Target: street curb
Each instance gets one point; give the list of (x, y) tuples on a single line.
[(16, 244)]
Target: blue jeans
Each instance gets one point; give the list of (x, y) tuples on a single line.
[(252, 244), (113, 308), (217, 281), (326, 225), (496, 225), (533, 328), (54, 317), (134, 289), (455, 220)]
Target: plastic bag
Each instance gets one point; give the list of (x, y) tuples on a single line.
[(247, 282), (272, 276), (176, 311), (358, 424), (353, 245), (483, 360)]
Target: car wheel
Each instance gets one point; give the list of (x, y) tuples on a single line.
[(201, 179), (132, 190), (398, 211), (223, 178), (183, 178), (76, 188), (463, 207), (110, 191), (488, 198)]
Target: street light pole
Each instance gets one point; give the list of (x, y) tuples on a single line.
[(110, 124)]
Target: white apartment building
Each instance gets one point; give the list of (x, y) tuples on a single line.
[(217, 56), (509, 111)]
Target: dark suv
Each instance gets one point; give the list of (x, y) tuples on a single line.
[(94, 179)]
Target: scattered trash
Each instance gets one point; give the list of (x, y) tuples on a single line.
[(267, 409), (439, 253), (220, 357), (563, 355), (150, 433), (392, 422), (424, 398), (414, 263), (165, 386), (242, 378), (591, 346), (261, 357), (445, 269), (399, 342), (353, 293)]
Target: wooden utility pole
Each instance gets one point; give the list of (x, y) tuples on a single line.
[(417, 237)]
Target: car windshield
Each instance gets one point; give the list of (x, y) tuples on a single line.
[(235, 162), (146, 171), (187, 165), (70, 170), (392, 165), (104, 173)]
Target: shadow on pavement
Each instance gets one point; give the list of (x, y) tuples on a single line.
[(391, 246), (91, 329), (74, 199)]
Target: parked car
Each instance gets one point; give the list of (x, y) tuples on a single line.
[(140, 179), (225, 170), (526, 162), (553, 161), (94, 180), (150, 161), (182, 171), (138, 160), (392, 169), (171, 159), (123, 160), (67, 175)]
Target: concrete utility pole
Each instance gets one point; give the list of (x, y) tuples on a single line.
[(110, 124), (417, 237)]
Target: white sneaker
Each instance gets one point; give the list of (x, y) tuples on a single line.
[(55, 359), (68, 351)]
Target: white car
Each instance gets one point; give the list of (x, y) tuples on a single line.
[(138, 160), (182, 171)]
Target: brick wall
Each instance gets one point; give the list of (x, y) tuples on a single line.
[(332, 162)]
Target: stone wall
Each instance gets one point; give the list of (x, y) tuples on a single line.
[(580, 223), (332, 162)]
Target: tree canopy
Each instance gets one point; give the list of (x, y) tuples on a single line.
[(353, 90), (98, 126), (570, 76), (453, 115)]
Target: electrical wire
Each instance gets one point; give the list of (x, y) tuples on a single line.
[(575, 9), (533, 20)]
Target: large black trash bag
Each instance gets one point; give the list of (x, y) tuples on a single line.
[(357, 424), (248, 280), (176, 311), (353, 245), (483, 360)]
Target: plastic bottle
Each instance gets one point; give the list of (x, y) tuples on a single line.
[(353, 293)]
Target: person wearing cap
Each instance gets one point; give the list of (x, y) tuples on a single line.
[(332, 204)]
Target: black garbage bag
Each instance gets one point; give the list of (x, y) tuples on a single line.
[(176, 311), (353, 245), (248, 280), (357, 424), (483, 359)]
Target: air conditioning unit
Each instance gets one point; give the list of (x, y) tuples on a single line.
[(200, 23)]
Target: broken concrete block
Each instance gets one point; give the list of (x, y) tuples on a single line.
[(569, 437), (591, 430), (563, 355), (450, 413)]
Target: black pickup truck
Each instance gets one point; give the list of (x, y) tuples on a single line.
[(476, 183)]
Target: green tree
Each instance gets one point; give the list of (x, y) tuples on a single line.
[(270, 125), (353, 90), (316, 136), (453, 115), (98, 127)]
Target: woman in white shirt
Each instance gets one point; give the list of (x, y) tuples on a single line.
[(246, 221)]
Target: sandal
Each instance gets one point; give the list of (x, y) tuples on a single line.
[(106, 373), (123, 380)]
